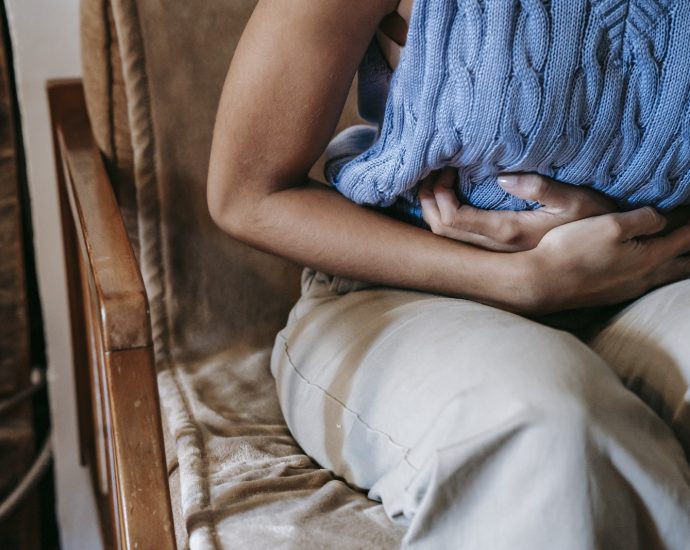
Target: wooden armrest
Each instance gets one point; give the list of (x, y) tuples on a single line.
[(100, 229), (119, 412)]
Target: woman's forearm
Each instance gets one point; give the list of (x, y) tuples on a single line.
[(313, 225)]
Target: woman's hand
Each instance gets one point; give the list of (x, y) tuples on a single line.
[(506, 231), (605, 260)]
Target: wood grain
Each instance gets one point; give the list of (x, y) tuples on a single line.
[(120, 424)]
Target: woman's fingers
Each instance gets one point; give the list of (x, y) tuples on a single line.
[(466, 218), (556, 197), (503, 231), (497, 226), (642, 222), (676, 243), (447, 217), (675, 269), (515, 231), (430, 211), (533, 187), (446, 199), (431, 207)]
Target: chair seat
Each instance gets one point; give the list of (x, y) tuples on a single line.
[(245, 482)]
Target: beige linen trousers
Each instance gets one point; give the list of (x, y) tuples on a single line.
[(480, 429)]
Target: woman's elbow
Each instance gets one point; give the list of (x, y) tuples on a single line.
[(236, 206), (223, 198)]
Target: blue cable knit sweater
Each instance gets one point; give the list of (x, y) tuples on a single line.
[(589, 92)]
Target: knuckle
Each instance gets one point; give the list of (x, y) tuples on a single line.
[(432, 221), (447, 218), (463, 228), (464, 225), (530, 242), (463, 221), (655, 218), (585, 203), (651, 215), (436, 227), (517, 237), (582, 207), (510, 233), (537, 185), (613, 227), (439, 228)]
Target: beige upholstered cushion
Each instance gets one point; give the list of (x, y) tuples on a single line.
[(216, 304)]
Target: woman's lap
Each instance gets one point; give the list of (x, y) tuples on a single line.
[(389, 387)]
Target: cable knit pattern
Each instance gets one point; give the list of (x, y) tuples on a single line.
[(589, 92)]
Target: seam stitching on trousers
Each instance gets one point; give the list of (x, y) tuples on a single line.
[(344, 406)]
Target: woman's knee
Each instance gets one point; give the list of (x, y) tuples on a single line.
[(647, 345), (553, 400), (651, 330), (579, 452)]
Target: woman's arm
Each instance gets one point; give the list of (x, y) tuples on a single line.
[(281, 102), (282, 99)]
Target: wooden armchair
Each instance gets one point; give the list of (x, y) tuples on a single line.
[(173, 321)]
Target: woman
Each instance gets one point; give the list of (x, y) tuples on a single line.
[(412, 365)]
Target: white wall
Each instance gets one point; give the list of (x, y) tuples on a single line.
[(45, 39)]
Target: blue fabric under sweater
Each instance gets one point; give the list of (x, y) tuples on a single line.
[(589, 92)]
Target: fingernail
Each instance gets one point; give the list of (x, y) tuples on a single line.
[(507, 181)]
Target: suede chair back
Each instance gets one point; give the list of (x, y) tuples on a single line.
[(153, 85)]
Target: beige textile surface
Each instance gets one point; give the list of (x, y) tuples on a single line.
[(216, 305)]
